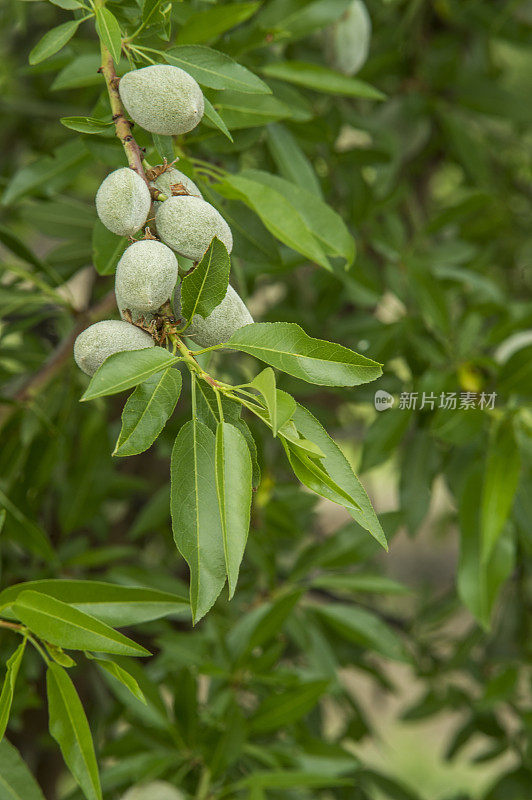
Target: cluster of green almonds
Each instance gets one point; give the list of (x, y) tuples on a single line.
[(164, 100)]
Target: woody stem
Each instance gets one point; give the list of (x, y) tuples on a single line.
[(122, 124)]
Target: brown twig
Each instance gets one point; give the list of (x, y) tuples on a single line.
[(122, 124)]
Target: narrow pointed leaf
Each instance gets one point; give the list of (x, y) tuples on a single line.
[(479, 580), (109, 32), (501, 478), (16, 781), (300, 445), (264, 383), (205, 287), (360, 582), (287, 347), (291, 161), (70, 729), (215, 69), (326, 225), (282, 709), (233, 485), (203, 26), (340, 470), (277, 213), (85, 124), (70, 628), (364, 628), (212, 115), (195, 516), (146, 412), (52, 41), (321, 79), (314, 476), (121, 371), (8, 689), (116, 605), (121, 675)]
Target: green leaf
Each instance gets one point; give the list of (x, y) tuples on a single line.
[(326, 225), (364, 628), (29, 534), (67, 627), (264, 383), (252, 447), (261, 624), (298, 444), (47, 172), (148, 9), (116, 605), (503, 467), (212, 115), (107, 249), (85, 124), (340, 470), (321, 79), (479, 580), (279, 710), (121, 675), (215, 69), (195, 515), (293, 19), (204, 26), (286, 346), (109, 32), (314, 476), (70, 729), (417, 474), (53, 40), (18, 247), (359, 582), (8, 689), (278, 215), (291, 779), (121, 371), (233, 485), (286, 407), (291, 160), (205, 287), (240, 110), (59, 656), (80, 72), (146, 412), (68, 5), (16, 781), (207, 406), (164, 146), (281, 406)]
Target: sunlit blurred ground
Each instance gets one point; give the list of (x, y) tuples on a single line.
[(413, 752)]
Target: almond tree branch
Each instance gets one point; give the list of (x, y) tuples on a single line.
[(122, 124), (63, 353)]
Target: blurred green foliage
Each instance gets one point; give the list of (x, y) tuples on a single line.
[(433, 180)]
